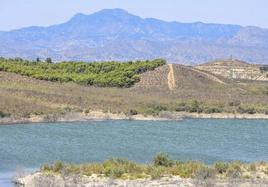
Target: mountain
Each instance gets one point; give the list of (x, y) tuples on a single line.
[(115, 34)]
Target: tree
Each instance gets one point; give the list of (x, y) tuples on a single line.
[(49, 60), (37, 59)]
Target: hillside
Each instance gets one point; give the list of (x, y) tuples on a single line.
[(194, 91), (236, 69), (114, 34)]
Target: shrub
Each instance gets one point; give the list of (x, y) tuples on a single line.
[(205, 173), (210, 110), (2, 114), (45, 168), (221, 167), (246, 110), (234, 103), (234, 170), (156, 172), (162, 159), (266, 171), (253, 167), (133, 112), (58, 166)]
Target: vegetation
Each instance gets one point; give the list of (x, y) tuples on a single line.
[(2, 114), (103, 74), (162, 166), (24, 96)]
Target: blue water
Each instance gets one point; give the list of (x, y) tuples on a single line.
[(30, 145)]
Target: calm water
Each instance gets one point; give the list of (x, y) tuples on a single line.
[(29, 145)]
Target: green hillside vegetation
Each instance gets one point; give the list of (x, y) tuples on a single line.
[(102, 74)]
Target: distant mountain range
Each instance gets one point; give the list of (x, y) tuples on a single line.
[(115, 34)]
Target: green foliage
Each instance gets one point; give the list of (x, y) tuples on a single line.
[(162, 166), (103, 74), (162, 160), (199, 107), (234, 103), (205, 173), (249, 110), (58, 166), (266, 170), (48, 60), (155, 109), (234, 170), (185, 169), (117, 167), (221, 167), (2, 114), (133, 112), (156, 172)]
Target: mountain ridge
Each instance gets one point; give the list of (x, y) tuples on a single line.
[(115, 34)]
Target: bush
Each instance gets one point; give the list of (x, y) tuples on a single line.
[(205, 173), (234, 103), (2, 114), (250, 110), (210, 110), (221, 167), (162, 160), (133, 112), (58, 166), (234, 170), (266, 171), (156, 172)]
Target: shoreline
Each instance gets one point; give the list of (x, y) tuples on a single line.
[(101, 116)]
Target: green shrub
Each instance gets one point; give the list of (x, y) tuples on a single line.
[(221, 167), (205, 173), (162, 159), (156, 172), (253, 167), (234, 103), (266, 171), (210, 110), (58, 166), (133, 112), (2, 114), (250, 110), (234, 170), (45, 168)]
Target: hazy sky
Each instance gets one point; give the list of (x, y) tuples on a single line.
[(21, 13)]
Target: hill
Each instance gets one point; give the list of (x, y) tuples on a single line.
[(114, 34), (236, 69), (194, 91)]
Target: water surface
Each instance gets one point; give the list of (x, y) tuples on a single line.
[(207, 140)]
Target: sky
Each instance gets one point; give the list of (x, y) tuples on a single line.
[(16, 14)]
